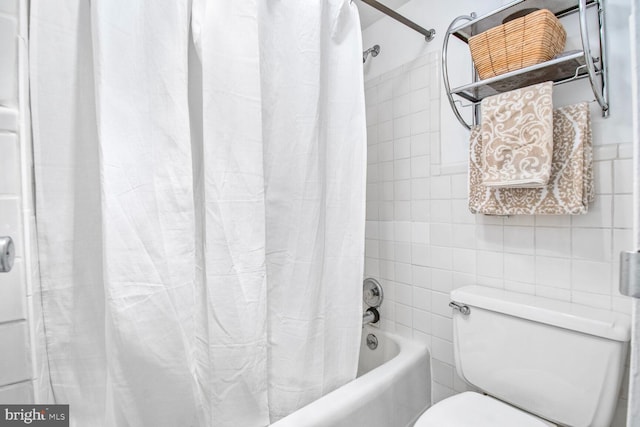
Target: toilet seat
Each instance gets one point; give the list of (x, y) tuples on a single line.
[(471, 409)]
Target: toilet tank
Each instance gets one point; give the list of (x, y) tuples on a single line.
[(558, 360)]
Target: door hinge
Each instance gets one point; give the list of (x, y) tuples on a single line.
[(630, 273)]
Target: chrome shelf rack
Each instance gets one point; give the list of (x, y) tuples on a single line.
[(568, 67)]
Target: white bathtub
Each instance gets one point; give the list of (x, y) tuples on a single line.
[(392, 389)]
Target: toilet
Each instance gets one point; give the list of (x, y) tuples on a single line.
[(536, 362)]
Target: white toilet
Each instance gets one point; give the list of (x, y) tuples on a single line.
[(540, 362)]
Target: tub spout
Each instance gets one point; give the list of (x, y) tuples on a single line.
[(372, 315)]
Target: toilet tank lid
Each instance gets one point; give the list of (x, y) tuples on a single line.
[(588, 320)]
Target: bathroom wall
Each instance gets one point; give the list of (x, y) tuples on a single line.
[(421, 240), (16, 207)]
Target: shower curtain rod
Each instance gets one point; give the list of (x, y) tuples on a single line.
[(428, 34)]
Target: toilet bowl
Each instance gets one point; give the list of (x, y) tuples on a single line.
[(540, 362), (474, 409)]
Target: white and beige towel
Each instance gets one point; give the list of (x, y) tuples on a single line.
[(570, 186), (517, 135)]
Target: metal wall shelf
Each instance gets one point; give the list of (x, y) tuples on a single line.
[(479, 25), (568, 67)]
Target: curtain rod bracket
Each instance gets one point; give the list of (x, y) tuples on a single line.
[(428, 34)]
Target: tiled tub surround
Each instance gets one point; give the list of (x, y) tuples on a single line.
[(422, 241)]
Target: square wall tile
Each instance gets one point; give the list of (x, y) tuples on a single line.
[(421, 276), (12, 294), (9, 165), (603, 175), (623, 211), (591, 243), (402, 127), (441, 257), (441, 280), (402, 105), (600, 213), (519, 268), (490, 264), (440, 234), (8, 119), (420, 254), (553, 241), (420, 144), (419, 188), (404, 315), (440, 211), (622, 241), (403, 293), (420, 100), (440, 304), (553, 272), (489, 237), (14, 348), (442, 327), (441, 187), (464, 236), (8, 60), (422, 321), (591, 277), (420, 77), (464, 260), (442, 350), (385, 111), (442, 373), (402, 148), (459, 186), (421, 298), (403, 255), (623, 176), (519, 240), (460, 212), (10, 224), (420, 232)]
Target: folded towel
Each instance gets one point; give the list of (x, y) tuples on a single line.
[(570, 186), (517, 135)]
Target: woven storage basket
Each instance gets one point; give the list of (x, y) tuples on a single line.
[(522, 42)]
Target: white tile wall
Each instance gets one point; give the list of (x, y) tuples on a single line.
[(16, 373), (421, 240)]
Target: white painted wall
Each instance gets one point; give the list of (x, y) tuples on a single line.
[(16, 207), (421, 240)]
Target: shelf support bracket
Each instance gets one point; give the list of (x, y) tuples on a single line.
[(599, 92), (445, 68)]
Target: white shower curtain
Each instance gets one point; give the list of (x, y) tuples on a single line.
[(200, 211)]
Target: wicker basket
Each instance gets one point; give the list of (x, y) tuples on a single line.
[(522, 42)]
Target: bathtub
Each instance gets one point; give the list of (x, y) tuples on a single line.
[(392, 389)]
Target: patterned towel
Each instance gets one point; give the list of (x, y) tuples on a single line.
[(570, 186), (517, 135)]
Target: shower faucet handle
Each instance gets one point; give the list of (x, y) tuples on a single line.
[(7, 254), (372, 293)]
